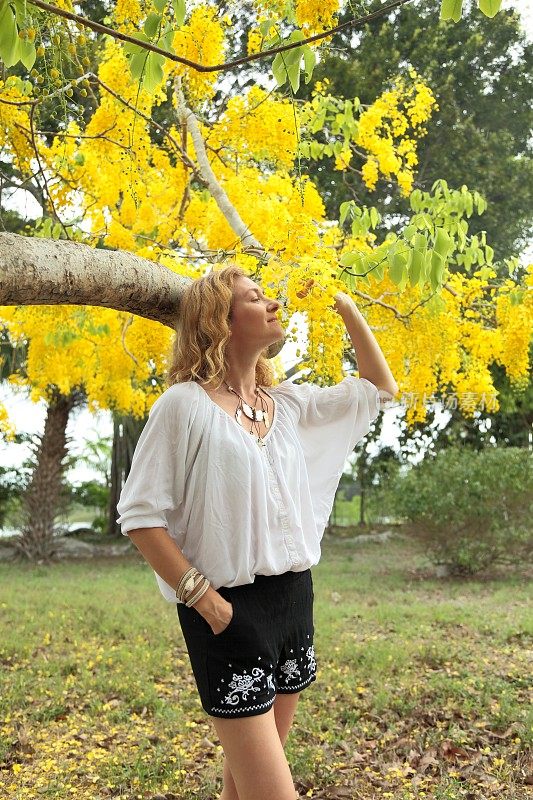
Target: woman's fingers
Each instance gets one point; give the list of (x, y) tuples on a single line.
[(303, 293)]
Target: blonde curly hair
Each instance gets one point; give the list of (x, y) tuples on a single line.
[(202, 332)]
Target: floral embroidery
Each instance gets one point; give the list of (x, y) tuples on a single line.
[(290, 667), (311, 658), (243, 684)]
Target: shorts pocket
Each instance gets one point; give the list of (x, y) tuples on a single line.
[(230, 624)]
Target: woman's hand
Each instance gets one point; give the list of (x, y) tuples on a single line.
[(225, 615), (342, 300), (215, 609)]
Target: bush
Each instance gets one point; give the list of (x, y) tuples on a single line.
[(13, 482), (468, 509), (92, 495)]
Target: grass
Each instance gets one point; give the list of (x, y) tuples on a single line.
[(422, 687)]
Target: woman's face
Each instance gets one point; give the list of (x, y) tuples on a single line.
[(254, 317)]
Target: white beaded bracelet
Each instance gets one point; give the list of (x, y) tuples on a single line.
[(200, 593)]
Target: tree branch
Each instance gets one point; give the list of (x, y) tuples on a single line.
[(187, 117), (99, 28)]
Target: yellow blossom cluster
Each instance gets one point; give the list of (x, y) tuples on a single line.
[(515, 325), (254, 41), (388, 131), (15, 125), (284, 211), (7, 429), (128, 13), (316, 16), (257, 126), (271, 8), (201, 40), (92, 347), (66, 5), (138, 193)]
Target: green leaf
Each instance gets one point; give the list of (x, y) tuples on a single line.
[(131, 49), (451, 9), (374, 217), (293, 56), (9, 40), (344, 209), (265, 26), (415, 267), (357, 228), (165, 41), (20, 11), (421, 242), (309, 62), (409, 232), (348, 259), (293, 71), (397, 262), (489, 254), (137, 63), (305, 150), (151, 26), (443, 243), (296, 36), (436, 270), (28, 53), (318, 122), (153, 74), (316, 150), (160, 5), (279, 70), (179, 11), (489, 7), (379, 271)]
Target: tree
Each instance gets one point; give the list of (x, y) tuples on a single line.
[(480, 74), (182, 199)]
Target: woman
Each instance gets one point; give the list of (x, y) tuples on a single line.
[(231, 523)]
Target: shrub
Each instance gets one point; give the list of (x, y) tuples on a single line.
[(468, 509)]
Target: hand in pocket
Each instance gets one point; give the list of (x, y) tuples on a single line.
[(224, 619)]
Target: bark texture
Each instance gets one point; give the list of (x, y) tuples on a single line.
[(35, 271), (43, 498)]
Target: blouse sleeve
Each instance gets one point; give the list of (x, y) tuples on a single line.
[(156, 481), (343, 412), (330, 421)]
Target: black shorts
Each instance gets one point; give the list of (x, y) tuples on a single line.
[(266, 648)]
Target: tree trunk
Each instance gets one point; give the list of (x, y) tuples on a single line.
[(35, 271), (42, 500), (126, 432)]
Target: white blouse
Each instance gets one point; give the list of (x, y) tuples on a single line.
[(236, 509)]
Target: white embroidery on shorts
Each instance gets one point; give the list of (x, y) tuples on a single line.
[(243, 684), (249, 708), (307, 665), (311, 658), (290, 667)]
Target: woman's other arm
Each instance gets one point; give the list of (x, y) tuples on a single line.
[(165, 557), (371, 362)]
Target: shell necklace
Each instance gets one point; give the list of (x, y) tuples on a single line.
[(255, 414)]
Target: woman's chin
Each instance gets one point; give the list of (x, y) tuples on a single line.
[(275, 347)]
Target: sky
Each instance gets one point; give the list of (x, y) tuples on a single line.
[(29, 417)]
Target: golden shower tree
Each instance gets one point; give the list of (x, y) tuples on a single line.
[(134, 208)]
